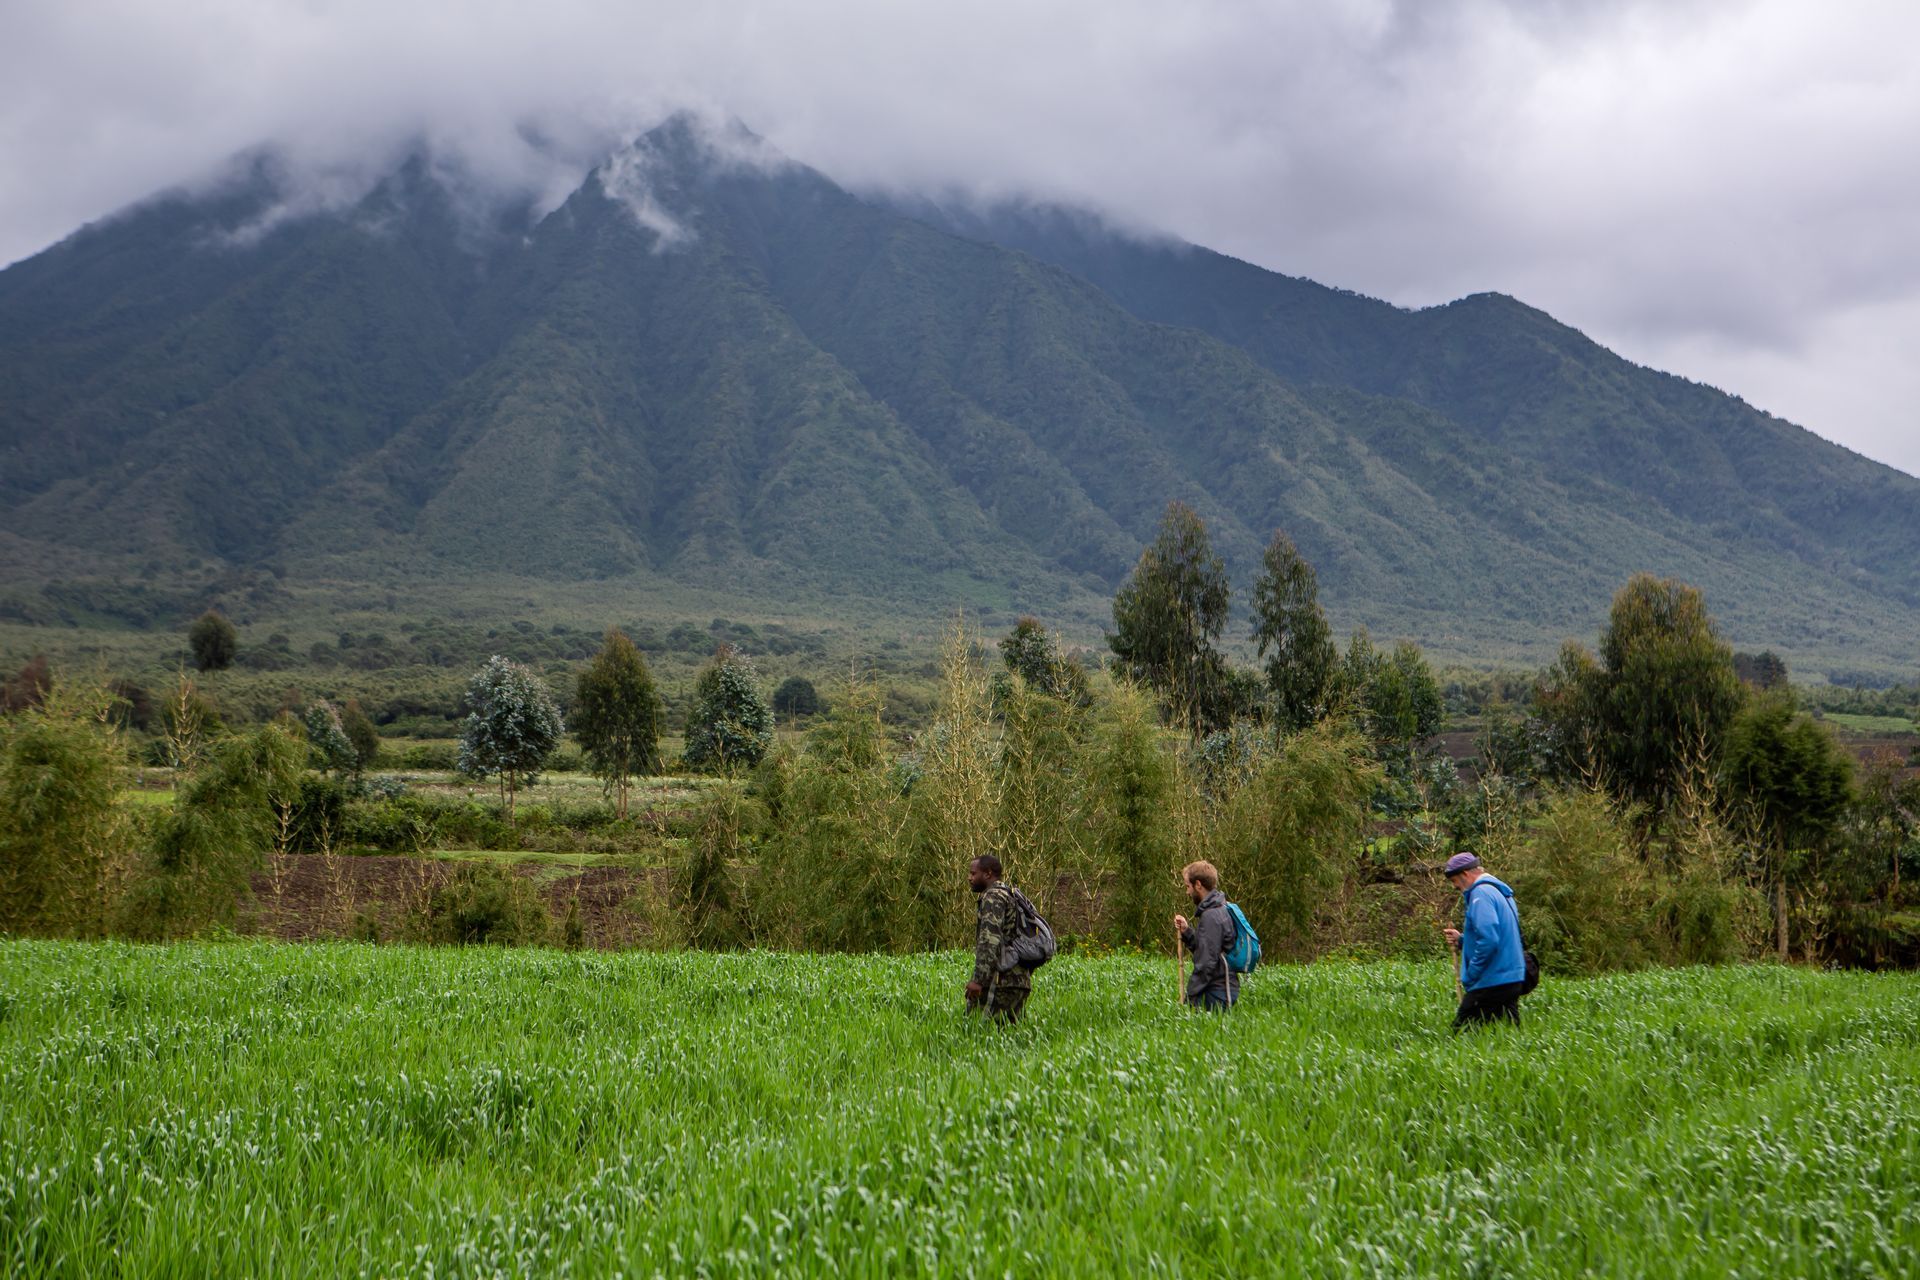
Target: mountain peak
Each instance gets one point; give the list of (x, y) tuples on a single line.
[(813, 399)]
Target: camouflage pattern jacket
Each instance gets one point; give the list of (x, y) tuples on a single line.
[(998, 925)]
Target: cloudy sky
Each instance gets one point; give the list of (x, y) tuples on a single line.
[(1728, 189)]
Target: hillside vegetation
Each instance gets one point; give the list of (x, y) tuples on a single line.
[(714, 378)]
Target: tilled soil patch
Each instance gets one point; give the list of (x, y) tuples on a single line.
[(308, 897)]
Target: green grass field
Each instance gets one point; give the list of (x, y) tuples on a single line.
[(254, 1109), (1871, 724)]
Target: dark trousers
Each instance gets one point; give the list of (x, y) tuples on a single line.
[(1213, 1000), (1002, 1004), (1489, 1004)]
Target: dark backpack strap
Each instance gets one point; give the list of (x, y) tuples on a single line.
[(1501, 899)]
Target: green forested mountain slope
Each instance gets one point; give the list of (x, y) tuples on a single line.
[(716, 369), (1501, 374)]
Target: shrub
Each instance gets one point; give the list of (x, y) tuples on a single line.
[(836, 815), (431, 756), (954, 807), (212, 641), (401, 824), (706, 887), (1288, 837), (1584, 895), (360, 731), (27, 687), (482, 903), (61, 833), (221, 827), (1130, 786), (317, 821), (328, 746), (796, 698)]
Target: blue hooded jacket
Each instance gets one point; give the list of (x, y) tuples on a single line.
[(1490, 950)]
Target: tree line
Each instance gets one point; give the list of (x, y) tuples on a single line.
[(1649, 803)]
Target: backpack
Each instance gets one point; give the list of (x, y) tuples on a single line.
[(1245, 952), (1033, 945)]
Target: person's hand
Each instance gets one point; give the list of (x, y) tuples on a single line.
[(1453, 938), (1180, 924), (973, 990)]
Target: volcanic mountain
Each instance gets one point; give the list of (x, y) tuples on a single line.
[(714, 368)]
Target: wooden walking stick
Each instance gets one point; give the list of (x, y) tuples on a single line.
[(1179, 969), (1453, 956)]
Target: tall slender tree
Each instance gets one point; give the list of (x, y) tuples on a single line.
[(1796, 782), (512, 726), (1168, 615), (616, 715), (1654, 707), (1291, 635)]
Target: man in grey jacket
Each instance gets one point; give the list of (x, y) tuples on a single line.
[(1209, 937)]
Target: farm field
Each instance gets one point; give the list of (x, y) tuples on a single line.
[(256, 1109), (1871, 724)]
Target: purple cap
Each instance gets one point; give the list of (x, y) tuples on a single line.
[(1461, 862)]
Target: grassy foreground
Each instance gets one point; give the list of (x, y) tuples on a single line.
[(255, 1109)]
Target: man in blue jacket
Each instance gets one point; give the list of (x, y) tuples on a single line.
[(1493, 963)]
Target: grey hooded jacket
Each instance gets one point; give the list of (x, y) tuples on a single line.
[(1208, 938)]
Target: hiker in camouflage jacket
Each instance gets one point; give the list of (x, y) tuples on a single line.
[(999, 993)]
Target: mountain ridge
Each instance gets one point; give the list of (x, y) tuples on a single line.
[(709, 364)]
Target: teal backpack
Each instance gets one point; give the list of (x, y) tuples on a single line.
[(1245, 953)]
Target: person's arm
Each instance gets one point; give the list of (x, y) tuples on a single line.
[(1480, 938)]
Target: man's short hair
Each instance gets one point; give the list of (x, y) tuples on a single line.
[(989, 864), (1203, 872)]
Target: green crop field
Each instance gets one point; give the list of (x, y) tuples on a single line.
[(256, 1109), (1872, 724)]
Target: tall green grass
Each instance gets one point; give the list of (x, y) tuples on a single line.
[(252, 1109)]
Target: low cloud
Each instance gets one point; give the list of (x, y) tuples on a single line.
[(1718, 187), (629, 178)]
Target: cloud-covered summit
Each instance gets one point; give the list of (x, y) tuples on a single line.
[(1711, 186)]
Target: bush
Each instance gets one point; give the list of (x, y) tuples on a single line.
[(439, 757), (483, 904), (212, 641), (360, 731), (318, 820), (458, 822), (1289, 836), (1585, 898), (403, 824), (221, 827), (835, 813), (1130, 793), (61, 830), (796, 697), (706, 888)]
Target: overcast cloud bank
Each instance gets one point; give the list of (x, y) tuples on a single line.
[(1724, 189)]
